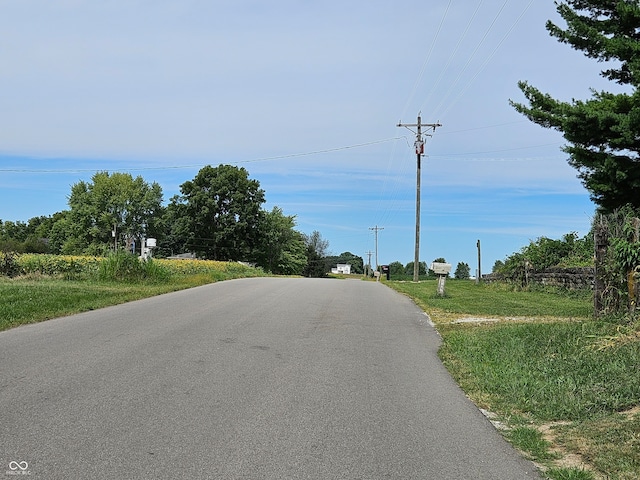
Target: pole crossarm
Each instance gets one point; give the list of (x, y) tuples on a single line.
[(430, 125)]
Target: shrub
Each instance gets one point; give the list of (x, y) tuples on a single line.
[(9, 266)]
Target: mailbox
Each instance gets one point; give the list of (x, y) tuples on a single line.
[(441, 268), (385, 270)]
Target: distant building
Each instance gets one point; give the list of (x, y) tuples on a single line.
[(343, 268), (183, 256)]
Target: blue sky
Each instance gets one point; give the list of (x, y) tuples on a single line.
[(306, 96)]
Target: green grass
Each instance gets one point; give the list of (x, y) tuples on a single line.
[(31, 300), (118, 279), (530, 440), (467, 297), (543, 361), (551, 371), (569, 474)]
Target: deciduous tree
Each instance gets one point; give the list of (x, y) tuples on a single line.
[(220, 212), (316, 253), (282, 249), (396, 268), (114, 202)]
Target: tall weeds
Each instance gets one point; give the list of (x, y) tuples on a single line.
[(125, 267)]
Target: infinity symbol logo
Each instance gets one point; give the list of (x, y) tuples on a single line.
[(18, 465)]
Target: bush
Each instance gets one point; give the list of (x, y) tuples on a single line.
[(9, 266), (544, 253)]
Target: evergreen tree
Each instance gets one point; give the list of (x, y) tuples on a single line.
[(602, 132)]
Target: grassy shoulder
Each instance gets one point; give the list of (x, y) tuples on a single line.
[(55, 286), (565, 387)]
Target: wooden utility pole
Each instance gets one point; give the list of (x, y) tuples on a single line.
[(419, 153), (479, 275), (369, 253), (376, 229)]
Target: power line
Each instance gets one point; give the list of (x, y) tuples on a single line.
[(177, 167), (455, 50), (484, 127), (475, 50), (316, 152), (487, 60), (391, 186), (426, 61), (496, 151)]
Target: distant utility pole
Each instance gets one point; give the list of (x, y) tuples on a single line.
[(376, 229), (479, 274), (419, 153), (369, 253)]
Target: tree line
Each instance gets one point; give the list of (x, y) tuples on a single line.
[(218, 215)]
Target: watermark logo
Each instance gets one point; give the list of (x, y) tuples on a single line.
[(18, 468)]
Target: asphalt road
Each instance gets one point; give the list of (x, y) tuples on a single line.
[(266, 378)]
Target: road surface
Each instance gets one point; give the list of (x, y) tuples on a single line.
[(265, 378)]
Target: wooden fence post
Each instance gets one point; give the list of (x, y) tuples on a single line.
[(631, 275), (601, 242)]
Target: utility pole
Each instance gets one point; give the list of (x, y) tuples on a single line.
[(419, 153), (479, 274), (369, 253), (376, 229)]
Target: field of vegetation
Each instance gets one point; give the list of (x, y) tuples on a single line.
[(563, 388)]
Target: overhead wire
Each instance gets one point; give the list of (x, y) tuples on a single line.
[(497, 151), (390, 198), (452, 55), (450, 132), (391, 202), (176, 167), (453, 84), (487, 60), (426, 61)]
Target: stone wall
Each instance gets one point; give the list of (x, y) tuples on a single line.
[(570, 278)]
